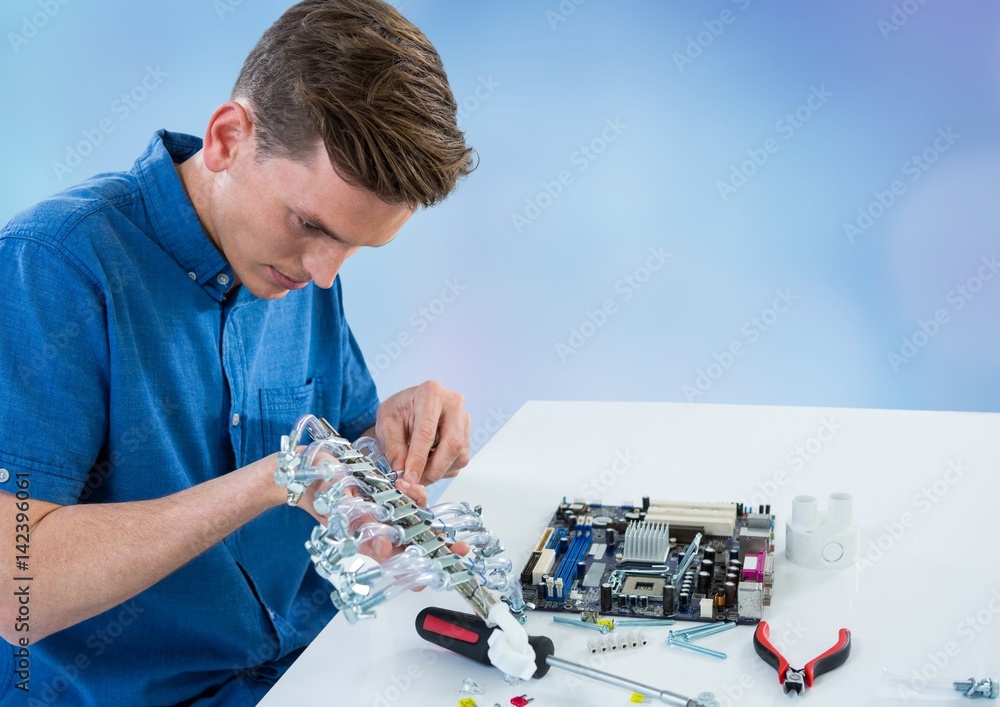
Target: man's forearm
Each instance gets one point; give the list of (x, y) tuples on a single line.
[(88, 558)]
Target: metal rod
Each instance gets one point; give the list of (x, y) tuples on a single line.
[(688, 557), (665, 696)]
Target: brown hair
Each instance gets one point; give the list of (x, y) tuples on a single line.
[(360, 76)]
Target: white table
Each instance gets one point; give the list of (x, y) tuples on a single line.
[(927, 600)]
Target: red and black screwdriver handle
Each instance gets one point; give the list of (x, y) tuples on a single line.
[(468, 635), (792, 679)]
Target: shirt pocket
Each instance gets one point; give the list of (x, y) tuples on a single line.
[(281, 407)]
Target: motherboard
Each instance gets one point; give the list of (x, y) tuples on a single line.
[(661, 559)]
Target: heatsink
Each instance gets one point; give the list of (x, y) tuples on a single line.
[(646, 542)]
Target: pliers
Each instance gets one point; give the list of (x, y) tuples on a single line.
[(794, 679)]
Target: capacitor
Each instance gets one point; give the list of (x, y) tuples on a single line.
[(735, 565), (709, 553), (570, 521), (685, 598), (734, 554), (732, 577), (610, 537), (563, 545), (730, 589), (645, 503), (704, 582), (707, 566), (643, 601), (605, 597), (581, 570), (668, 599)]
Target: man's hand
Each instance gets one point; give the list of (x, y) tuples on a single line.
[(425, 432)]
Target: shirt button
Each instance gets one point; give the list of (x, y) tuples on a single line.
[(192, 276), (236, 419), (222, 279), (4, 475)]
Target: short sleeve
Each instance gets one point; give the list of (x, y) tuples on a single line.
[(359, 399), (54, 363)]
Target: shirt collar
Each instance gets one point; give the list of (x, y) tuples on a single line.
[(175, 222)]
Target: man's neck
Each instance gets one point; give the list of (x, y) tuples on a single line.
[(197, 181)]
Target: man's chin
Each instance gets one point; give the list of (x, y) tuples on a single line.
[(265, 290)]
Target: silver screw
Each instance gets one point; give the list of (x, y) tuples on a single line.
[(699, 629), (644, 622), (573, 622), (973, 688), (671, 641), (718, 628)]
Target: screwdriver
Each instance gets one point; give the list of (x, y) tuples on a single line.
[(468, 635)]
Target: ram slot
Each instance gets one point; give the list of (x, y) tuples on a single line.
[(578, 549)]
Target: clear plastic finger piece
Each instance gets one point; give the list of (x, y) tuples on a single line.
[(362, 505)]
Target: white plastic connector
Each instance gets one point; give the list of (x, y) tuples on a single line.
[(509, 648), (822, 539)]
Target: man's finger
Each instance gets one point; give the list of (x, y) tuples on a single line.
[(392, 433), (416, 492), (453, 448), (426, 417)]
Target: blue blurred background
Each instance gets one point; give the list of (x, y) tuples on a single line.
[(717, 201)]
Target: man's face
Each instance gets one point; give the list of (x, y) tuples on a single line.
[(281, 223)]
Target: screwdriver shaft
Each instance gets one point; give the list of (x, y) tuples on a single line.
[(665, 696)]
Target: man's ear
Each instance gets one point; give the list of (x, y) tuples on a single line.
[(230, 130)]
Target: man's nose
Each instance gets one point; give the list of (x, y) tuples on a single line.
[(323, 264)]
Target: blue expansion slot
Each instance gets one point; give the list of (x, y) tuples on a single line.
[(556, 537), (578, 549)]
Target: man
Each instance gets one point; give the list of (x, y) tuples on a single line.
[(165, 326)]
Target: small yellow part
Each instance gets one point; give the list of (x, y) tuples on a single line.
[(638, 697), (466, 702), (606, 622)]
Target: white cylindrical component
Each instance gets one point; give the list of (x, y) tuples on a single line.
[(841, 510), (804, 513), (827, 540)]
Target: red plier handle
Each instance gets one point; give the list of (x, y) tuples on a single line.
[(795, 679)]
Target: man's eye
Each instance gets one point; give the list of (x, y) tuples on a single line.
[(308, 226)]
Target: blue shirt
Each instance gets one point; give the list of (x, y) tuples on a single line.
[(128, 374)]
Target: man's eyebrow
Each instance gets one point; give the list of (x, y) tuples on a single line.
[(318, 223), (314, 220)]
